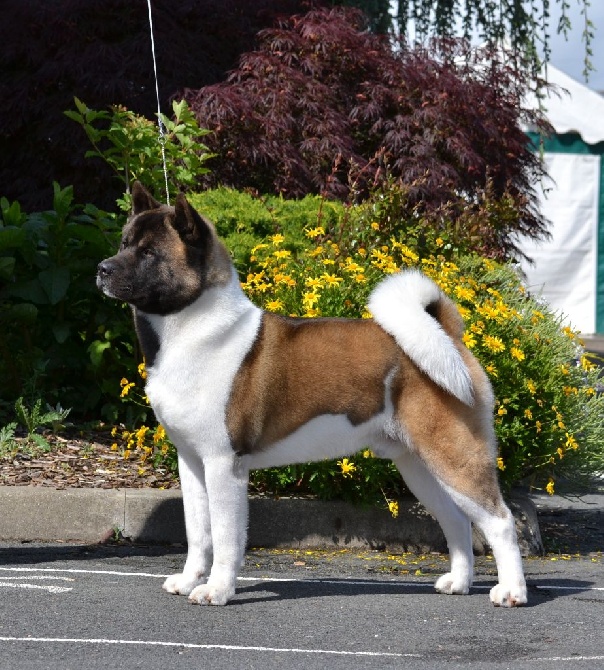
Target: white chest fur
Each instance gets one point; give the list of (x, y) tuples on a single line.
[(201, 350)]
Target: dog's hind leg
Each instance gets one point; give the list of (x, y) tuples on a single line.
[(227, 482), (454, 523), (498, 526), (197, 522)]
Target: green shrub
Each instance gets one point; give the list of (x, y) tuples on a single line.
[(130, 144), (61, 341), (244, 219)]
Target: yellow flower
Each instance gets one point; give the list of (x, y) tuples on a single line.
[(331, 280), (492, 370), (315, 232), (160, 434), (310, 299), (142, 371), (393, 507), (469, 340), (571, 443), (281, 278), (347, 467), (501, 411), (531, 386), (314, 282), (493, 343), (140, 436), (488, 311), (569, 332), (528, 414), (368, 453), (560, 452), (282, 253), (352, 266), (538, 425), (114, 446), (586, 364), (464, 293), (274, 305), (126, 386), (277, 239), (114, 431), (500, 464), (550, 487), (375, 225), (518, 354)]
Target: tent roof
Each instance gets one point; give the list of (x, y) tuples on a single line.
[(573, 107)]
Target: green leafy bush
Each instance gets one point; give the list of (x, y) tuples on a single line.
[(244, 219), (132, 147), (61, 340)]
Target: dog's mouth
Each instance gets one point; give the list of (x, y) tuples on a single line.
[(106, 282)]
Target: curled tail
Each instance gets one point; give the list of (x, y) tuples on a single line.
[(427, 326)]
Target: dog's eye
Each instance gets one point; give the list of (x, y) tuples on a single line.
[(148, 252)]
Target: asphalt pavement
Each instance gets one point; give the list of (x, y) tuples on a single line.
[(85, 607)]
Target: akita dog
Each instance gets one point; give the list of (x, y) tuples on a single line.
[(239, 388)]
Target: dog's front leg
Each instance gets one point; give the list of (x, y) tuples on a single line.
[(197, 522), (226, 481)]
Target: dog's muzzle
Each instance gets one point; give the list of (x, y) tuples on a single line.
[(104, 271)]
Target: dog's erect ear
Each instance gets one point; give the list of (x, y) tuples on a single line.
[(192, 228), (142, 200)]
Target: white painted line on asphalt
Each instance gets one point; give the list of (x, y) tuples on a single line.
[(50, 589), (280, 650), (338, 582), (46, 577), (86, 572), (222, 647)]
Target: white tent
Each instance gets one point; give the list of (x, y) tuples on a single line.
[(568, 270)]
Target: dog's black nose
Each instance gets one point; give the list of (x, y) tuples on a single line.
[(105, 268)]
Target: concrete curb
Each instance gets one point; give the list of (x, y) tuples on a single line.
[(156, 517)]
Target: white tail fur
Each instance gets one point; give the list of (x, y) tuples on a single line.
[(399, 304)]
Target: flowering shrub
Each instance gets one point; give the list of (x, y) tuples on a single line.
[(549, 416), (149, 445)]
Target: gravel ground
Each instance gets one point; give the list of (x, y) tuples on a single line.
[(79, 461)]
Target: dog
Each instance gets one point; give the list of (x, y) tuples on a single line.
[(238, 388)]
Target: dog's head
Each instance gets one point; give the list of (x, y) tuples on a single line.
[(168, 257)]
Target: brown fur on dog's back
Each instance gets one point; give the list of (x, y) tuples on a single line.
[(299, 369)]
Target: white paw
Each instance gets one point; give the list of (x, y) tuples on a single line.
[(182, 584), (207, 594), (505, 596), (453, 585)]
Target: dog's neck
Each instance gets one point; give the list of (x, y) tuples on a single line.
[(207, 320)]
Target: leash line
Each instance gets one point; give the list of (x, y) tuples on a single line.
[(162, 129)]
